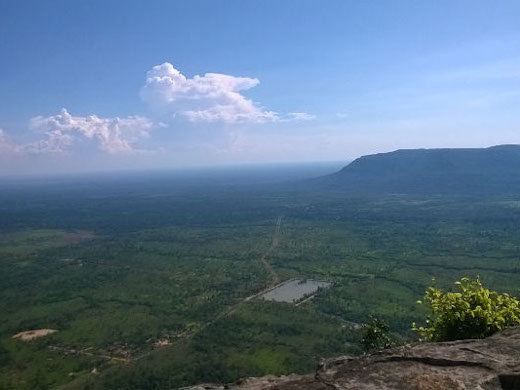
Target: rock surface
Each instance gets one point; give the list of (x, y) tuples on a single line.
[(488, 364)]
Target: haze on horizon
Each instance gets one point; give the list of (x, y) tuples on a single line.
[(101, 86)]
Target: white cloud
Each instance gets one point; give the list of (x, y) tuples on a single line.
[(113, 135), (301, 116), (213, 97), (7, 147)]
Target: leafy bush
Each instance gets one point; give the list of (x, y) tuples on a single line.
[(471, 312), (376, 335)]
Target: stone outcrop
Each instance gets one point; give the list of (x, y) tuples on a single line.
[(488, 364)]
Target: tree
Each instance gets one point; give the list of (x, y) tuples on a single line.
[(376, 335), (470, 312), (38, 381), (4, 356)]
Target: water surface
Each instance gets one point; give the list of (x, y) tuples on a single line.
[(294, 290)]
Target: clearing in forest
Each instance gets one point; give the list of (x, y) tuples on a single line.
[(29, 335)]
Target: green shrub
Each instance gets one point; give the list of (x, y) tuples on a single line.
[(376, 335), (471, 312)]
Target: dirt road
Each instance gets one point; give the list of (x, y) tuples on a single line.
[(274, 243), (232, 309)]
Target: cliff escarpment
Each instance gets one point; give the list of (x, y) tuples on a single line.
[(487, 364)]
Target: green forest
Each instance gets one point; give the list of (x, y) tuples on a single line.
[(148, 282)]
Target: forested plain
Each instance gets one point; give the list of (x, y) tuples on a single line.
[(145, 277)]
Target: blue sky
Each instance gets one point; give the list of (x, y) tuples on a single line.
[(90, 85)]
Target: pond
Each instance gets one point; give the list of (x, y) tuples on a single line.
[(294, 290)]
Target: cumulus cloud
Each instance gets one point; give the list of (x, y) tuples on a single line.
[(213, 97), (112, 135)]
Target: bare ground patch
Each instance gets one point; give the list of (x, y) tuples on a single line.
[(29, 335)]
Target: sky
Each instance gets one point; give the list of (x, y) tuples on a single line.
[(109, 85)]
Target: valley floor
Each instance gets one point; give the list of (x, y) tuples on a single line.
[(161, 291)]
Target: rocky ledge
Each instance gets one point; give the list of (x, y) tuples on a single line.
[(488, 364)]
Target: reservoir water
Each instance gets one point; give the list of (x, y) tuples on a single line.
[(294, 290)]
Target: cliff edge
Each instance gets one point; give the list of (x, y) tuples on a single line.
[(488, 364)]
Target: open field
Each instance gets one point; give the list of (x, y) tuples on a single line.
[(149, 285)]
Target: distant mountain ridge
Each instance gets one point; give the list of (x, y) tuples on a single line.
[(465, 170)]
